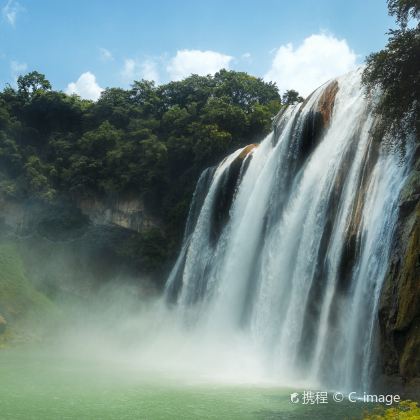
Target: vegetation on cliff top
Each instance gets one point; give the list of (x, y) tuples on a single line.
[(150, 140), (396, 71)]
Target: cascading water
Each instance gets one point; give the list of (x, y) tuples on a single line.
[(287, 243)]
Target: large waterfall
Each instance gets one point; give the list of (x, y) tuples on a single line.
[(287, 242)]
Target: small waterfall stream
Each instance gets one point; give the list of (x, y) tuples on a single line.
[(287, 242)]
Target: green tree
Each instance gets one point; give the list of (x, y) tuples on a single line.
[(210, 143), (32, 83), (395, 70), (227, 116), (244, 90), (146, 97), (403, 10), (37, 177), (114, 106), (291, 97), (151, 141), (11, 159)]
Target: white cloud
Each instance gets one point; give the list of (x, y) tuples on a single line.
[(106, 55), (128, 72), (319, 58), (149, 70), (135, 70), (85, 86), (16, 69), (10, 11), (187, 62), (246, 56)]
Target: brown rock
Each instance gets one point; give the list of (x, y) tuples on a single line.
[(326, 102), (226, 191), (247, 150)]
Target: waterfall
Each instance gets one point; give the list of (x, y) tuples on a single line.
[(287, 242)]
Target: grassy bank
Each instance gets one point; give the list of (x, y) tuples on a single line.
[(25, 311)]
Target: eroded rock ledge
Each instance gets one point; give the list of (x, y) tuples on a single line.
[(399, 313)]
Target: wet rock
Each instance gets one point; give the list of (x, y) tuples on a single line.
[(352, 232), (246, 151), (316, 121), (326, 102), (226, 191), (399, 314)]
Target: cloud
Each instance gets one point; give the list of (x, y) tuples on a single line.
[(85, 86), (106, 55), (128, 72), (17, 69), (10, 11), (187, 62), (319, 58), (135, 70), (149, 70)]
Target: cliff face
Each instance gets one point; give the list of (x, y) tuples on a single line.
[(75, 245), (127, 211), (399, 313)]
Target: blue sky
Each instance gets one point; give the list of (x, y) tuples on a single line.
[(84, 46)]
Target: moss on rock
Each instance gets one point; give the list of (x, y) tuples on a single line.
[(399, 314)]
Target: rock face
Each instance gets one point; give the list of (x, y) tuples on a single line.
[(126, 211), (73, 245), (226, 190), (326, 102), (399, 313), (318, 119)]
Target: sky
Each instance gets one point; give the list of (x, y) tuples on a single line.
[(84, 46)]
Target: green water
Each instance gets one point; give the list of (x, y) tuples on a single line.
[(44, 385)]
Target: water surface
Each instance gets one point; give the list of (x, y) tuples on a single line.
[(36, 384)]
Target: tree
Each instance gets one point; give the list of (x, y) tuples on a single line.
[(37, 178), (395, 70), (151, 141), (403, 10), (114, 106), (211, 142), (291, 97), (32, 83), (246, 91), (145, 96)]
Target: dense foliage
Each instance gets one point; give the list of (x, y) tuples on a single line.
[(291, 97), (405, 410), (149, 140), (396, 71)]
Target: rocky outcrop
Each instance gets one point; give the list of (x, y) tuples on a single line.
[(316, 121), (75, 245), (246, 151), (326, 102), (226, 190), (126, 211), (399, 313)]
